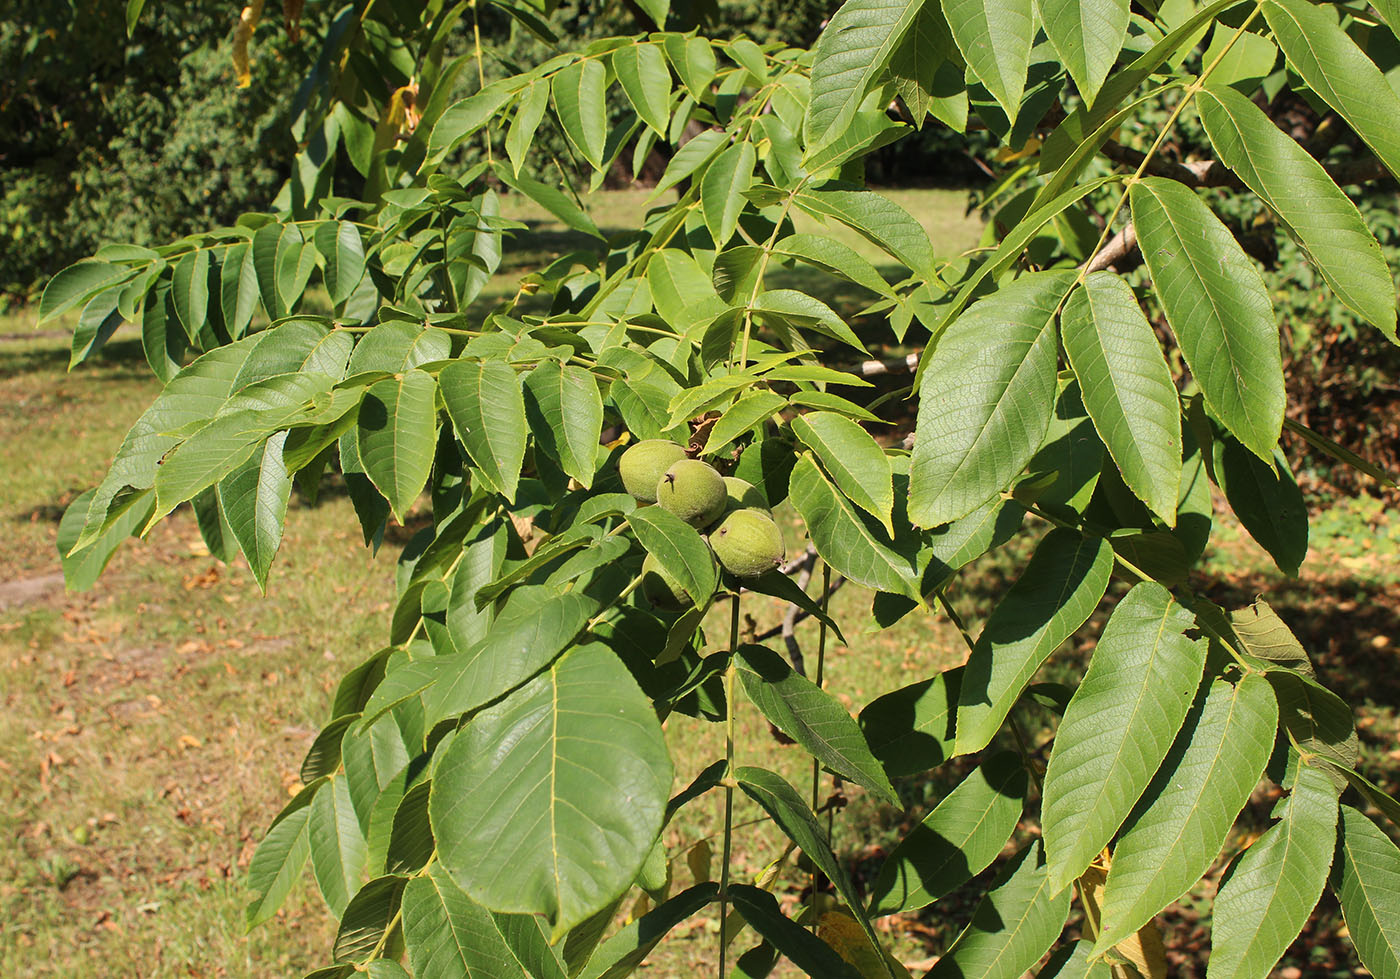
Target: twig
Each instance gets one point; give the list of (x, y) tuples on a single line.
[(1118, 247), (777, 630)]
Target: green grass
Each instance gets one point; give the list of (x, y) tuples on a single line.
[(150, 728)]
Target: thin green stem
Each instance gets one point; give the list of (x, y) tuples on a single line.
[(1186, 98), (481, 75), (817, 678), (728, 782)]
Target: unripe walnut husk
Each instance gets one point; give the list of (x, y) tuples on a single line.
[(694, 491), (748, 543), (743, 495), (661, 588), (642, 466)]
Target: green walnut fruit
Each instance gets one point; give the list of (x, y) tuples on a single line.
[(748, 543), (743, 495), (642, 466), (661, 588), (694, 491)]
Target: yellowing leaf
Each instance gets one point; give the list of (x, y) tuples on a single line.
[(839, 929), (1145, 949)]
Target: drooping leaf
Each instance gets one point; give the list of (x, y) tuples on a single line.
[(1340, 72), (83, 566), (189, 288), (834, 256), (1087, 35), (811, 717), (1318, 720), (955, 842), (344, 251), (622, 952), (337, 845), (851, 541), (1366, 878), (995, 37), (988, 395), (372, 912), (487, 408), (238, 288), (1015, 924), (679, 548), (853, 458), (565, 412), (76, 284), (1267, 500), (641, 70), (1118, 726), (254, 497), (526, 122), (806, 951), (578, 99), (722, 190), (1217, 305), (910, 730), (530, 816), (398, 435), (276, 865), (450, 935), (794, 817), (851, 53), (1182, 818), (1053, 597), (876, 218), (1126, 388), (1314, 208), (1271, 889)]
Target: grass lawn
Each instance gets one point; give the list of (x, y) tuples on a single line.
[(153, 725)]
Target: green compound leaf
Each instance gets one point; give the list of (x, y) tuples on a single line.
[(579, 102), (811, 717), (1340, 72), (795, 818), (1126, 388), (876, 218), (850, 55), (911, 729), (806, 951), (641, 70), (1366, 878), (337, 844), (1217, 304), (397, 431), (619, 956), (565, 412), (254, 498), (487, 408), (1271, 889), (1267, 500), (1118, 726), (1015, 924), (1054, 596), (1182, 819), (722, 190), (1314, 208), (276, 865), (530, 816), (955, 842), (851, 541), (995, 37), (679, 548), (1087, 35), (987, 399), (449, 935), (853, 458)]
